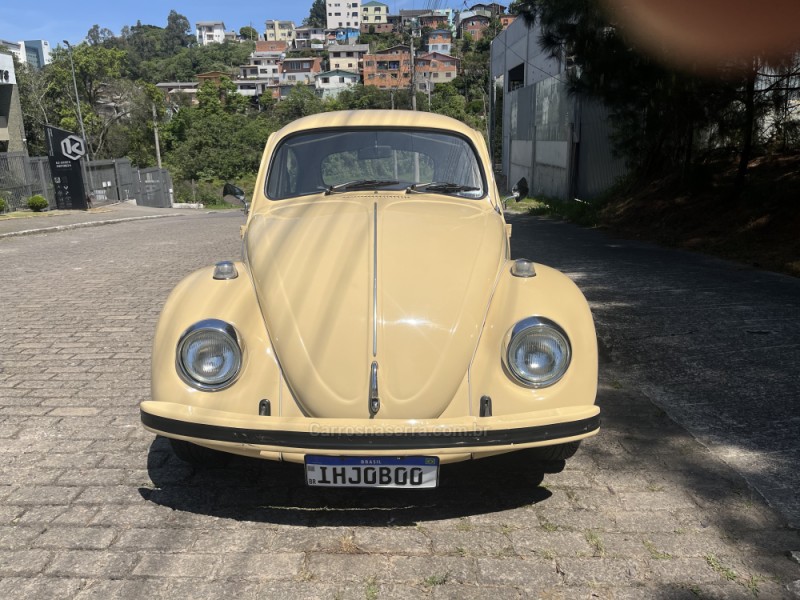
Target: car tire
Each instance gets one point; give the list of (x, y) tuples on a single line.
[(554, 453), (199, 456)]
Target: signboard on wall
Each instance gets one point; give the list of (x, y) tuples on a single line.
[(65, 151), (7, 75)]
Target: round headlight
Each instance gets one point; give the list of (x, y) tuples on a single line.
[(538, 352), (209, 355)]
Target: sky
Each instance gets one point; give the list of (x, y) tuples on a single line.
[(57, 20)]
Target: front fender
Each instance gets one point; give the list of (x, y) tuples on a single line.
[(199, 296), (549, 294)]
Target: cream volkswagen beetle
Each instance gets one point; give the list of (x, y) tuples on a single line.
[(376, 327)]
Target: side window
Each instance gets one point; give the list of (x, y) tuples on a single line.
[(285, 171)]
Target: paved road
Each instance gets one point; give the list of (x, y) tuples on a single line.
[(715, 344), (92, 506)]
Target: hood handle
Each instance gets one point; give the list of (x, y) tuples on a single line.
[(374, 399)]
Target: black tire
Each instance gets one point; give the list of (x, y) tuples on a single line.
[(199, 456), (552, 453)]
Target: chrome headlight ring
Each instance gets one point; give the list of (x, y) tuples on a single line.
[(208, 356), (537, 352)]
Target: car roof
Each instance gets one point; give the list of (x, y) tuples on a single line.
[(376, 118)]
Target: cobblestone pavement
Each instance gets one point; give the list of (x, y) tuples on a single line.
[(92, 506)]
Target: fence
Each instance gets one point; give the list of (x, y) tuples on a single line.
[(109, 181)]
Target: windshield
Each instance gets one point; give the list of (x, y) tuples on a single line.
[(413, 161)]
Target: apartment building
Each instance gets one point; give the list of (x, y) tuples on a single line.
[(310, 37), (440, 40), (210, 32), (388, 69), (374, 13), (280, 31), (343, 13), (475, 26), (347, 58), (433, 68), (12, 131), (300, 70)]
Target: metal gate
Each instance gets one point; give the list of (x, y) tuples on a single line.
[(155, 188)]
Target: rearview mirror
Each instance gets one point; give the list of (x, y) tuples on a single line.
[(374, 152)]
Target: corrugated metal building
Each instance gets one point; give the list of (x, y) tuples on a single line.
[(557, 141)]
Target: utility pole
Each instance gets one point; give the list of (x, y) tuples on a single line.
[(413, 76), (80, 117), (155, 134)]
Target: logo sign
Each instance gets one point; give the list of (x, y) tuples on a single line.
[(72, 147), (64, 148)]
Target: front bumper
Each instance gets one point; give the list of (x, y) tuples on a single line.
[(265, 436)]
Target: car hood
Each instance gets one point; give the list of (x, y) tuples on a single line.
[(403, 282)]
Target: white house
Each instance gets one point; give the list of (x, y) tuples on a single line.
[(210, 32), (330, 83), (343, 13)]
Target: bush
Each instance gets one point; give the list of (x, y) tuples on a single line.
[(37, 203), (2, 205)]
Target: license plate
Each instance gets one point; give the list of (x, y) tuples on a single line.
[(380, 472)]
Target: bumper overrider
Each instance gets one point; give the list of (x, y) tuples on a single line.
[(441, 437)]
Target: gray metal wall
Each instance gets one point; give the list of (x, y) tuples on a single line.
[(110, 181), (22, 177), (557, 141)]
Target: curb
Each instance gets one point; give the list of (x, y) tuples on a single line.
[(80, 225)]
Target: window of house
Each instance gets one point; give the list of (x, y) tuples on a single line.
[(516, 77), (448, 74)]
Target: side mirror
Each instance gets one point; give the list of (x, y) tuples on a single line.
[(234, 195), (520, 190)]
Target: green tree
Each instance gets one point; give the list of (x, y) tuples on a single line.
[(317, 16), (98, 35), (248, 33), (301, 102), (215, 140), (657, 111), (177, 34), (38, 104)]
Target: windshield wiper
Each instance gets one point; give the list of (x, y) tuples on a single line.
[(443, 187), (360, 184)]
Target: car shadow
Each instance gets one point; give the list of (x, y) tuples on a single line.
[(264, 491)]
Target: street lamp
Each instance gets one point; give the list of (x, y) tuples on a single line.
[(77, 99), (80, 116)]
